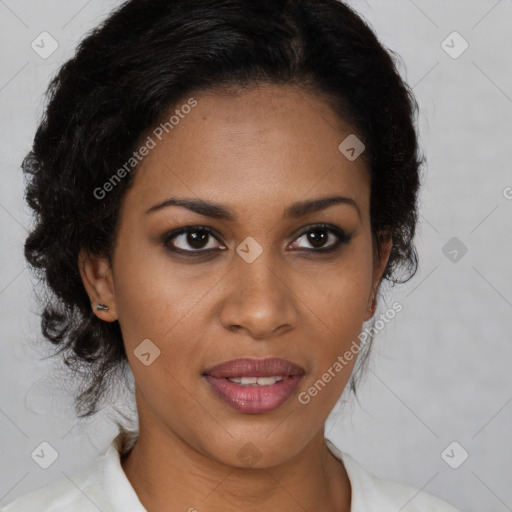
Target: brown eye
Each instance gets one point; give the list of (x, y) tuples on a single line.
[(319, 236), (191, 239), (197, 239)]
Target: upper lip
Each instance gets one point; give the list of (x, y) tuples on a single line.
[(246, 367)]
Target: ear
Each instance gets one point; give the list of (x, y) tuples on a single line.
[(98, 281), (380, 261)]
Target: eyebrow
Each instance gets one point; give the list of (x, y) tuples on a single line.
[(218, 211)]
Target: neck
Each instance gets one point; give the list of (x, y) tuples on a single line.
[(168, 474)]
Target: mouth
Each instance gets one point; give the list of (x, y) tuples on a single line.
[(254, 386)]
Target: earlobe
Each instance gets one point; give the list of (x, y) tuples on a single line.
[(97, 279), (370, 309), (380, 263)]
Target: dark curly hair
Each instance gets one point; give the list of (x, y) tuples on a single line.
[(140, 63)]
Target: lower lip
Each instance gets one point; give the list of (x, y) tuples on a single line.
[(253, 399)]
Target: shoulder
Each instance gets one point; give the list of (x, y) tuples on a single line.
[(370, 492), (80, 491), (100, 485)]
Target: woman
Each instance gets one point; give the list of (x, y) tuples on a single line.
[(220, 188)]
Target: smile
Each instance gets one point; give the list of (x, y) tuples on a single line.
[(257, 381), (254, 386)]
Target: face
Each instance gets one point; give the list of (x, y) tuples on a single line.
[(263, 274)]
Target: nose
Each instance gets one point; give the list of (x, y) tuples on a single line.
[(258, 301)]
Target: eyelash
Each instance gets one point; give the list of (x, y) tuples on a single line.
[(343, 238)]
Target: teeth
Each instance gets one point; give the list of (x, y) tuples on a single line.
[(266, 381), (256, 381)]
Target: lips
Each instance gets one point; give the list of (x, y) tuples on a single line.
[(246, 367), (247, 396)]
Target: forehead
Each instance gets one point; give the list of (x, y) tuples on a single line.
[(266, 144)]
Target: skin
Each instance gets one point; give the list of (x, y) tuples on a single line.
[(257, 153)]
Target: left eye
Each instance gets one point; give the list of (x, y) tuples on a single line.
[(319, 235)]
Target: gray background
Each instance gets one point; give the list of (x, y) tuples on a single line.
[(440, 372)]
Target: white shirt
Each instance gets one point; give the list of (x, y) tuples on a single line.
[(103, 485)]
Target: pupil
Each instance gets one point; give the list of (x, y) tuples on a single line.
[(195, 240), (317, 237)]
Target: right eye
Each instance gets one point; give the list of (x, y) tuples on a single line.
[(196, 237)]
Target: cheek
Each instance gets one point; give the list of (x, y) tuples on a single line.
[(338, 301), (158, 303), (153, 296), (338, 293)]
